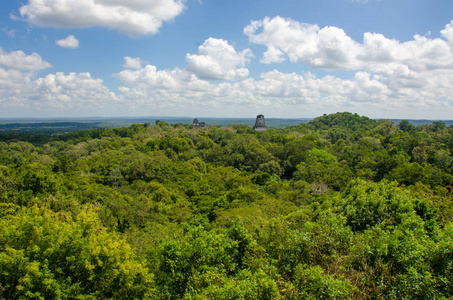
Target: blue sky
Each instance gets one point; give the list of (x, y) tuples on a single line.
[(212, 58)]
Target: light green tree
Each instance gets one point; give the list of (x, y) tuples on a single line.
[(48, 255)]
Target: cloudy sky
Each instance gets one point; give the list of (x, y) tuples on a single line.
[(234, 58)]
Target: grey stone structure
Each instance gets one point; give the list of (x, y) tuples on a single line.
[(198, 124), (260, 124)]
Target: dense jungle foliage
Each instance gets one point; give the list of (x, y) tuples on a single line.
[(342, 207)]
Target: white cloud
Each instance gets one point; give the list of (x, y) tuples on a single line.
[(12, 82), (326, 48), (219, 60), (448, 32), (272, 55), (72, 90), (149, 91), (330, 48), (69, 42), (416, 74), (412, 79), (170, 81), (20, 61), (283, 36), (132, 63), (134, 17), (55, 93), (401, 91)]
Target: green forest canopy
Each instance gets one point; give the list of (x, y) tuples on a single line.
[(340, 207)]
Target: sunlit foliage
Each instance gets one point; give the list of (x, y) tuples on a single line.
[(342, 207)]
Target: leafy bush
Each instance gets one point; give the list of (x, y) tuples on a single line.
[(47, 255)]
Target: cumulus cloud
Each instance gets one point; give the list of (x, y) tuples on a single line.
[(132, 63), (326, 48), (151, 91), (69, 42), (392, 77), (60, 93), (174, 81), (330, 48), (72, 90), (20, 61), (134, 17), (273, 88), (13, 81), (219, 60), (389, 74), (401, 79), (448, 32)]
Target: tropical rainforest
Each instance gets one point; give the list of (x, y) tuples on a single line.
[(341, 207)]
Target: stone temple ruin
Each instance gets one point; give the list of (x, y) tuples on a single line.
[(197, 124), (260, 124)]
